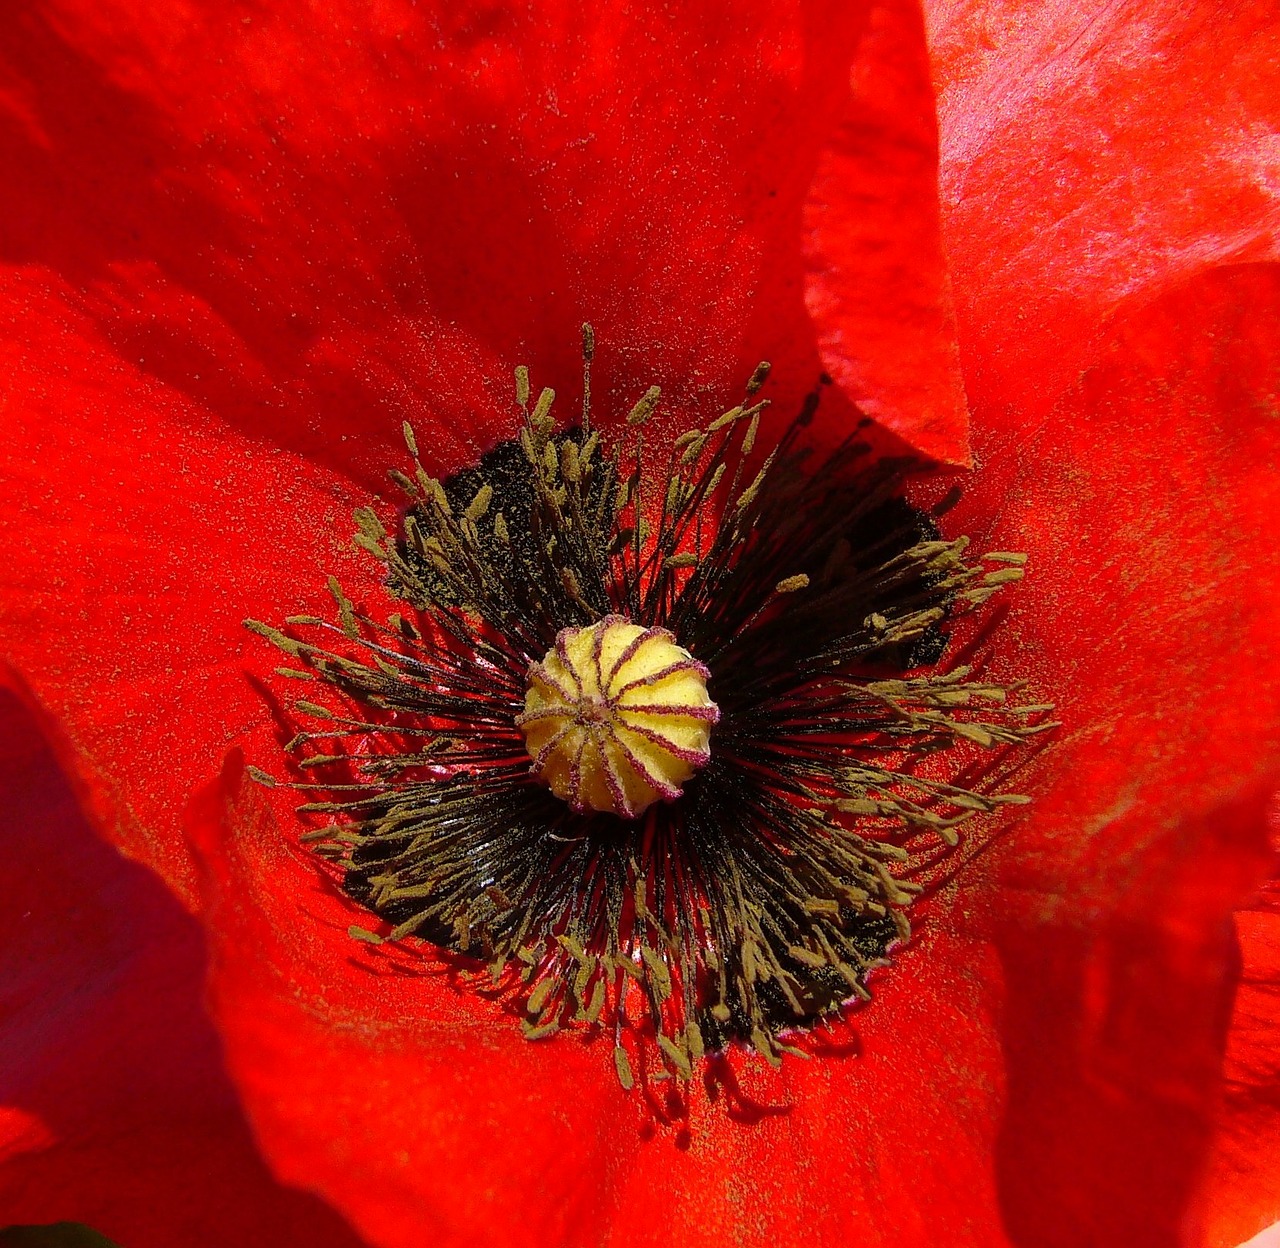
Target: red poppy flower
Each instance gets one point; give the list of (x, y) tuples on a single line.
[(244, 245)]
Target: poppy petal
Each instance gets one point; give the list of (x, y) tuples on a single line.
[(1106, 904), (1239, 1197), (1113, 1034), (214, 252), (410, 1101), (887, 1133), (317, 226), (117, 1110), (1147, 505), (416, 1106), (879, 293), (1093, 155), (141, 532), (901, 1125)]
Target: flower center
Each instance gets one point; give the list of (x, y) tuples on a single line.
[(617, 716), (552, 600)]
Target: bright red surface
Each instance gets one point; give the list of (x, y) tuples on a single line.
[(1090, 156), (1151, 610), (877, 285), (458, 1130), (244, 245)]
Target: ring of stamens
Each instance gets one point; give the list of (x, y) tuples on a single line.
[(849, 745)]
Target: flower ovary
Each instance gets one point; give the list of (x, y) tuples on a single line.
[(616, 717)]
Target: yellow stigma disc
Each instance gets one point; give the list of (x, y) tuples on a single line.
[(617, 716)]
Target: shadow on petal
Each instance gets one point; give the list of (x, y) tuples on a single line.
[(117, 1110), (1114, 1033)]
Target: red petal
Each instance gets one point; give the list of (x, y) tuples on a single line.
[(1107, 903), (140, 533), (1118, 999), (885, 1137), (1239, 1197), (877, 285), (117, 1109), (1090, 155), (411, 1102), (319, 224), (1076, 488), (1147, 504)]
